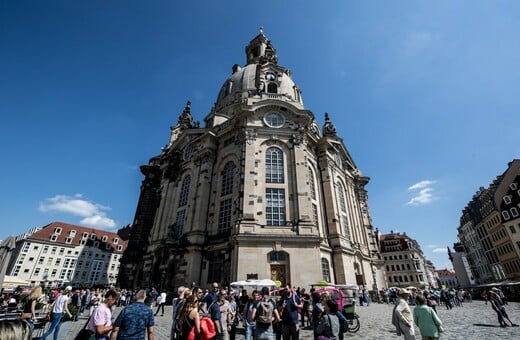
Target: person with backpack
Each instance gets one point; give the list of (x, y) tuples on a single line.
[(329, 327), (264, 312)]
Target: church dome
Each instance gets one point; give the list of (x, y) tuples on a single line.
[(261, 77)]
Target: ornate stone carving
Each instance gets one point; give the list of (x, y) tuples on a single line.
[(329, 130)]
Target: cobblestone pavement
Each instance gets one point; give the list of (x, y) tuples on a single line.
[(476, 320)]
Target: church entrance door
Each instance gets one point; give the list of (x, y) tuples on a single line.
[(279, 273)]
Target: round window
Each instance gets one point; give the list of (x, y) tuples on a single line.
[(274, 120)]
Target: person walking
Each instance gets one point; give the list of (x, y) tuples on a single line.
[(430, 326), (498, 306), (264, 313), (402, 317), (101, 321), (189, 318), (161, 300), (290, 324), (59, 307), (134, 321), (29, 307), (328, 327)]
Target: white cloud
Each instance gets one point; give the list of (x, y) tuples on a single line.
[(93, 214), (422, 184), (423, 192), (440, 250), (432, 246)]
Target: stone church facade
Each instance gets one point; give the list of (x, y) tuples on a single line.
[(259, 191)]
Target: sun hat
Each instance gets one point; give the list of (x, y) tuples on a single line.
[(404, 291)]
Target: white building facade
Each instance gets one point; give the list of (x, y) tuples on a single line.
[(62, 253)]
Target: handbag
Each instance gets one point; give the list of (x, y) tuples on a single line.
[(84, 333)]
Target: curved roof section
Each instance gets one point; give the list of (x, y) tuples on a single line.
[(261, 76)]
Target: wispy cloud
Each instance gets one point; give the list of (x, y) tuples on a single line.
[(440, 250), (416, 43), (93, 214), (422, 191)]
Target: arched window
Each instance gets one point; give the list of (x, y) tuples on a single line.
[(272, 88), (325, 269), (274, 168), (342, 209), (277, 256), (227, 179), (185, 191)]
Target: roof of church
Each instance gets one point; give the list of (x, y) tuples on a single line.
[(260, 71)]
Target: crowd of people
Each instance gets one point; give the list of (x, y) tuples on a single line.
[(216, 313)]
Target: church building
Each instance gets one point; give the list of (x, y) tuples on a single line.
[(258, 190)]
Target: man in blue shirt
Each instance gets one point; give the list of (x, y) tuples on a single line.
[(134, 321), (291, 303)]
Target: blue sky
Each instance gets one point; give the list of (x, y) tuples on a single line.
[(424, 93)]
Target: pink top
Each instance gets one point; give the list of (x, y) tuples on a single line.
[(100, 317)]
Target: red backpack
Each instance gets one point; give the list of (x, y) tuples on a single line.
[(207, 329)]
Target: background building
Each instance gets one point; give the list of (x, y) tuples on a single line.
[(405, 264), (261, 191), (61, 253), (461, 265), (489, 228), (447, 278)]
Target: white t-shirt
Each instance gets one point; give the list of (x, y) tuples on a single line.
[(59, 304), (162, 298)]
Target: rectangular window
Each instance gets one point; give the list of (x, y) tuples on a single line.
[(275, 207), (325, 270), (179, 223), (36, 271), (513, 229), (16, 270), (26, 246), (41, 259), (215, 270), (315, 214), (224, 216), (72, 233), (274, 167), (21, 258), (53, 250), (45, 249)]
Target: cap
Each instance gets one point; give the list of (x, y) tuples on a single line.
[(68, 288), (265, 291), (404, 291)]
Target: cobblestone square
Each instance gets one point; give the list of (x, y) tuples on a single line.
[(476, 320)]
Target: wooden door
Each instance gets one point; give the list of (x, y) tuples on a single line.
[(278, 273)]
